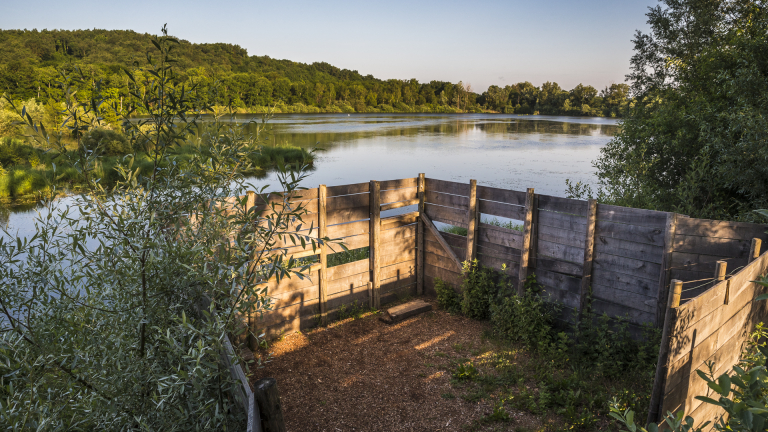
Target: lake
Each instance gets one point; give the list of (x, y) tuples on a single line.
[(504, 151)]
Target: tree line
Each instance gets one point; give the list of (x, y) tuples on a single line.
[(31, 62)]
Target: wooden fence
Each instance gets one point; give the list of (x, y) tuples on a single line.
[(619, 260)]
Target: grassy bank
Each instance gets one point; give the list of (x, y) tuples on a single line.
[(27, 172)]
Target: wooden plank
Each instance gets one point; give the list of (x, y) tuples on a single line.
[(562, 236), (501, 195), (500, 209), (615, 310), (534, 249), (632, 216), (563, 221), (428, 224), (702, 263), (454, 240), (447, 215), (396, 195), (323, 233), (497, 263), (633, 233), (558, 266), (448, 187), (420, 238), (408, 253), (664, 359), (348, 215), (589, 249), (526, 245), (348, 229), (627, 249), (625, 298), (500, 236), (722, 247), (472, 216), (438, 260), (720, 229), (348, 284), (374, 233), (347, 201), (406, 310), (627, 266), (561, 252), (451, 277), (399, 220), (289, 298), (344, 270), (290, 284), (499, 250), (446, 200), (348, 189), (400, 204), (397, 233), (563, 205), (399, 270), (435, 248), (562, 288), (352, 242), (398, 184), (624, 282)]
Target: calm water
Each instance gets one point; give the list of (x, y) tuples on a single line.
[(505, 151)]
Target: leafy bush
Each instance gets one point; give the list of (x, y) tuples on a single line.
[(479, 287), (107, 141), (447, 298), (14, 152), (529, 319)]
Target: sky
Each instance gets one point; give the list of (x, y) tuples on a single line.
[(479, 42)]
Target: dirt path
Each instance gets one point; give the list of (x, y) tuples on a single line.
[(363, 375)]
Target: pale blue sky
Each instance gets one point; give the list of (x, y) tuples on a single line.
[(480, 42)]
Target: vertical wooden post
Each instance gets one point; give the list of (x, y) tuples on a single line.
[(472, 216), (268, 400), (589, 250), (322, 232), (720, 269), (754, 250), (534, 249), (420, 237), (666, 262), (251, 338), (673, 301), (374, 230), (526, 249)]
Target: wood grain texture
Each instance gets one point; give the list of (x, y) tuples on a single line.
[(348, 215), (562, 236), (500, 236), (500, 209), (501, 195), (563, 205), (398, 184), (627, 266), (720, 229), (472, 216), (723, 247), (447, 200), (348, 229), (401, 204), (560, 252), (347, 201), (627, 249), (420, 237), (322, 233), (589, 250), (448, 187), (350, 189), (395, 195), (632, 216), (526, 245), (399, 220), (562, 221), (374, 232), (633, 233), (436, 234), (447, 215), (558, 266)]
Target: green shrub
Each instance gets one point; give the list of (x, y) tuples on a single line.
[(108, 142), (529, 319), (14, 152), (447, 298), (479, 287)]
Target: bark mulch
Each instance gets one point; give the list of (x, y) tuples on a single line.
[(364, 375)]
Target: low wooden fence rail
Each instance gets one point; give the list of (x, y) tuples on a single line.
[(618, 260)]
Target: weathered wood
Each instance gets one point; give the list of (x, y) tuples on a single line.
[(454, 240), (563, 221), (406, 310), (396, 195), (633, 233), (348, 215), (270, 407), (400, 204), (500, 236), (589, 249), (472, 217), (449, 276), (399, 220), (322, 233), (347, 201), (428, 224), (348, 189), (398, 184), (374, 230), (447, 215), (347, 229), (626, 299), (673, 301), (446, 200), (627, 249), (420, 238), (632, 216), (347, 284), (448, 187), (615, 310), (561, 252), (623, 282), (499, 250), (559, 266), (627, 266), (562, 236), (399, 253), (500, 209), (510, 266), (525, 249), (720, 229), (705, 263), (352, 242), (563, 205), (533, 253), (397, 233), (730, 248), (754, 250), (670, 228), (501, 195)]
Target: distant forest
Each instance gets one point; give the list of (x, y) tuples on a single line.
[(29, 60)]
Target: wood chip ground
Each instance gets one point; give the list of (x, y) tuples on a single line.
[(364, 375)]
